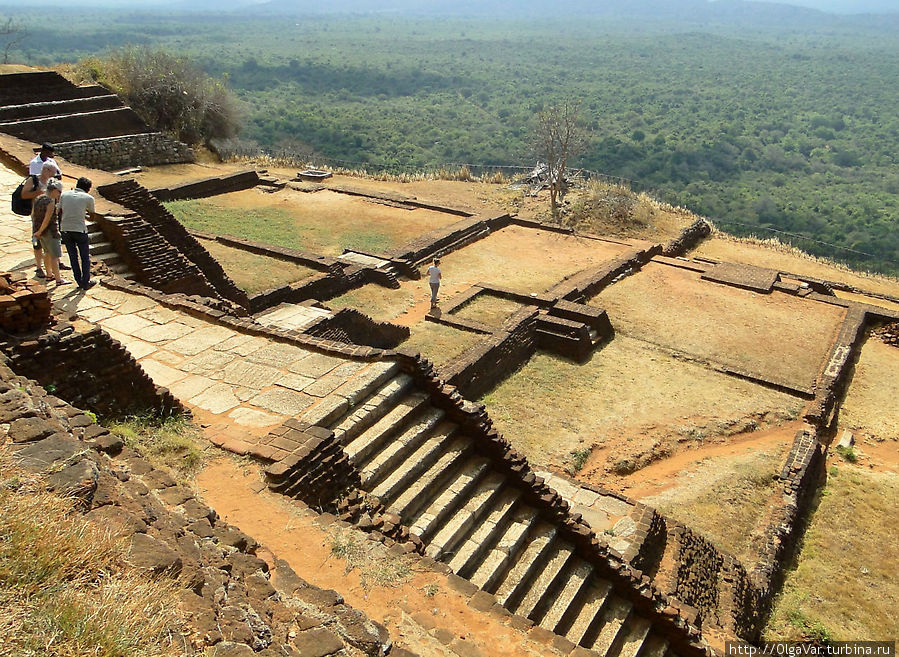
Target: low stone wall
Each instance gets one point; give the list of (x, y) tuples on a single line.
[(120, 152), (213, 186), (688, 239), (24, 304), (353, 327), (234, 603), (87, 367), (483, 366), (589, 283), (139, 200)]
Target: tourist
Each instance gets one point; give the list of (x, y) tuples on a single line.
[(75, 206), (32, 189), (434, 275), (42, 158), (46, 229)]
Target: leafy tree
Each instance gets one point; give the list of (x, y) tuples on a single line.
[(559, 137), (169, 92)]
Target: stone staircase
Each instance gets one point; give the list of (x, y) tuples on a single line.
[(103, 251), (420, 466)]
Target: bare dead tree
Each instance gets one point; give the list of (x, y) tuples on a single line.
[(559, 137), (12, 33)]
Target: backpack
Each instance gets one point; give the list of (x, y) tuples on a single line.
[(22, 206)]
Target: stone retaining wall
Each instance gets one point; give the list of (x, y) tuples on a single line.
[(212, 186), (688, 239), (87, 367), (139, 200), (104, 100), (234, 603), (111, 153), (353, 327)]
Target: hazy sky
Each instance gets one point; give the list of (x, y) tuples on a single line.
[(835, 6)]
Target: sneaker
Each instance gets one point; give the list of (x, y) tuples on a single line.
[(39, 273), (89, 285)]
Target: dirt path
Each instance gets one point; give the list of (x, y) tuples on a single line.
[(662, 475), (424, 614)]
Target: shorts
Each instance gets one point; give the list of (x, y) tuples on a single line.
[(51, 246), (36, 243)]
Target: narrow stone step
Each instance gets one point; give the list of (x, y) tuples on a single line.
[(106, 258), (371, 410), (443, 545), (488, 532), (396, 450), (543, 586), (577, 580), (101, 247), (416, 463), (614, 615), (585, 613), (410, 500), (497, 560), (362, 448), (121, 269), (654, 646), (630, 640), (529, 563), (95, 237), (434, 515)]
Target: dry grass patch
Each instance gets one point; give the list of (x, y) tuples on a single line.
[(871, 406), (439, 343), (173, 443), (376, 567), (65, 589), (256, 273), (631, 400), (774, 254), (777, 337), (725, 499), (380, 303), (844, 585), (488, 309)]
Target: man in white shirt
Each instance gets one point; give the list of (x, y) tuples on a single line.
[(45, 155), (75, 206), (434, 276)]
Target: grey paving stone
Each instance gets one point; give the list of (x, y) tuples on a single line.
[(283, 401), (249, 374)]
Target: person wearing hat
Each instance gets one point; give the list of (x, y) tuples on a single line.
[(45, 155)]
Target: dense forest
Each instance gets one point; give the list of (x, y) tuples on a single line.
[(771, 122)]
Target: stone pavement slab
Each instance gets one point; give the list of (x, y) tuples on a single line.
[(208, 363), (199, 340), (162, 375), (250, 417), (162, 332), (216, 399), (127, 324), (191, 386), (294, 381), (250, 375), (241, 344), (278, 355), (283, 401), (315, 365)]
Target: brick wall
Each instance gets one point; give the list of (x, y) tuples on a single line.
[(353, 327), (24, 304)]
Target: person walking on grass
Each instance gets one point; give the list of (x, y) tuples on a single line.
[(434, 276), (45, 228), (75, 206)]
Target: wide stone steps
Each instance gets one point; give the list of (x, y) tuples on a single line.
[(444, 542), (436, 510), (397, 449), (363, 447), (575, 581), (416, 463), (496, 562), (488, 531), (545, 582), (409, 502), (359, 418)]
